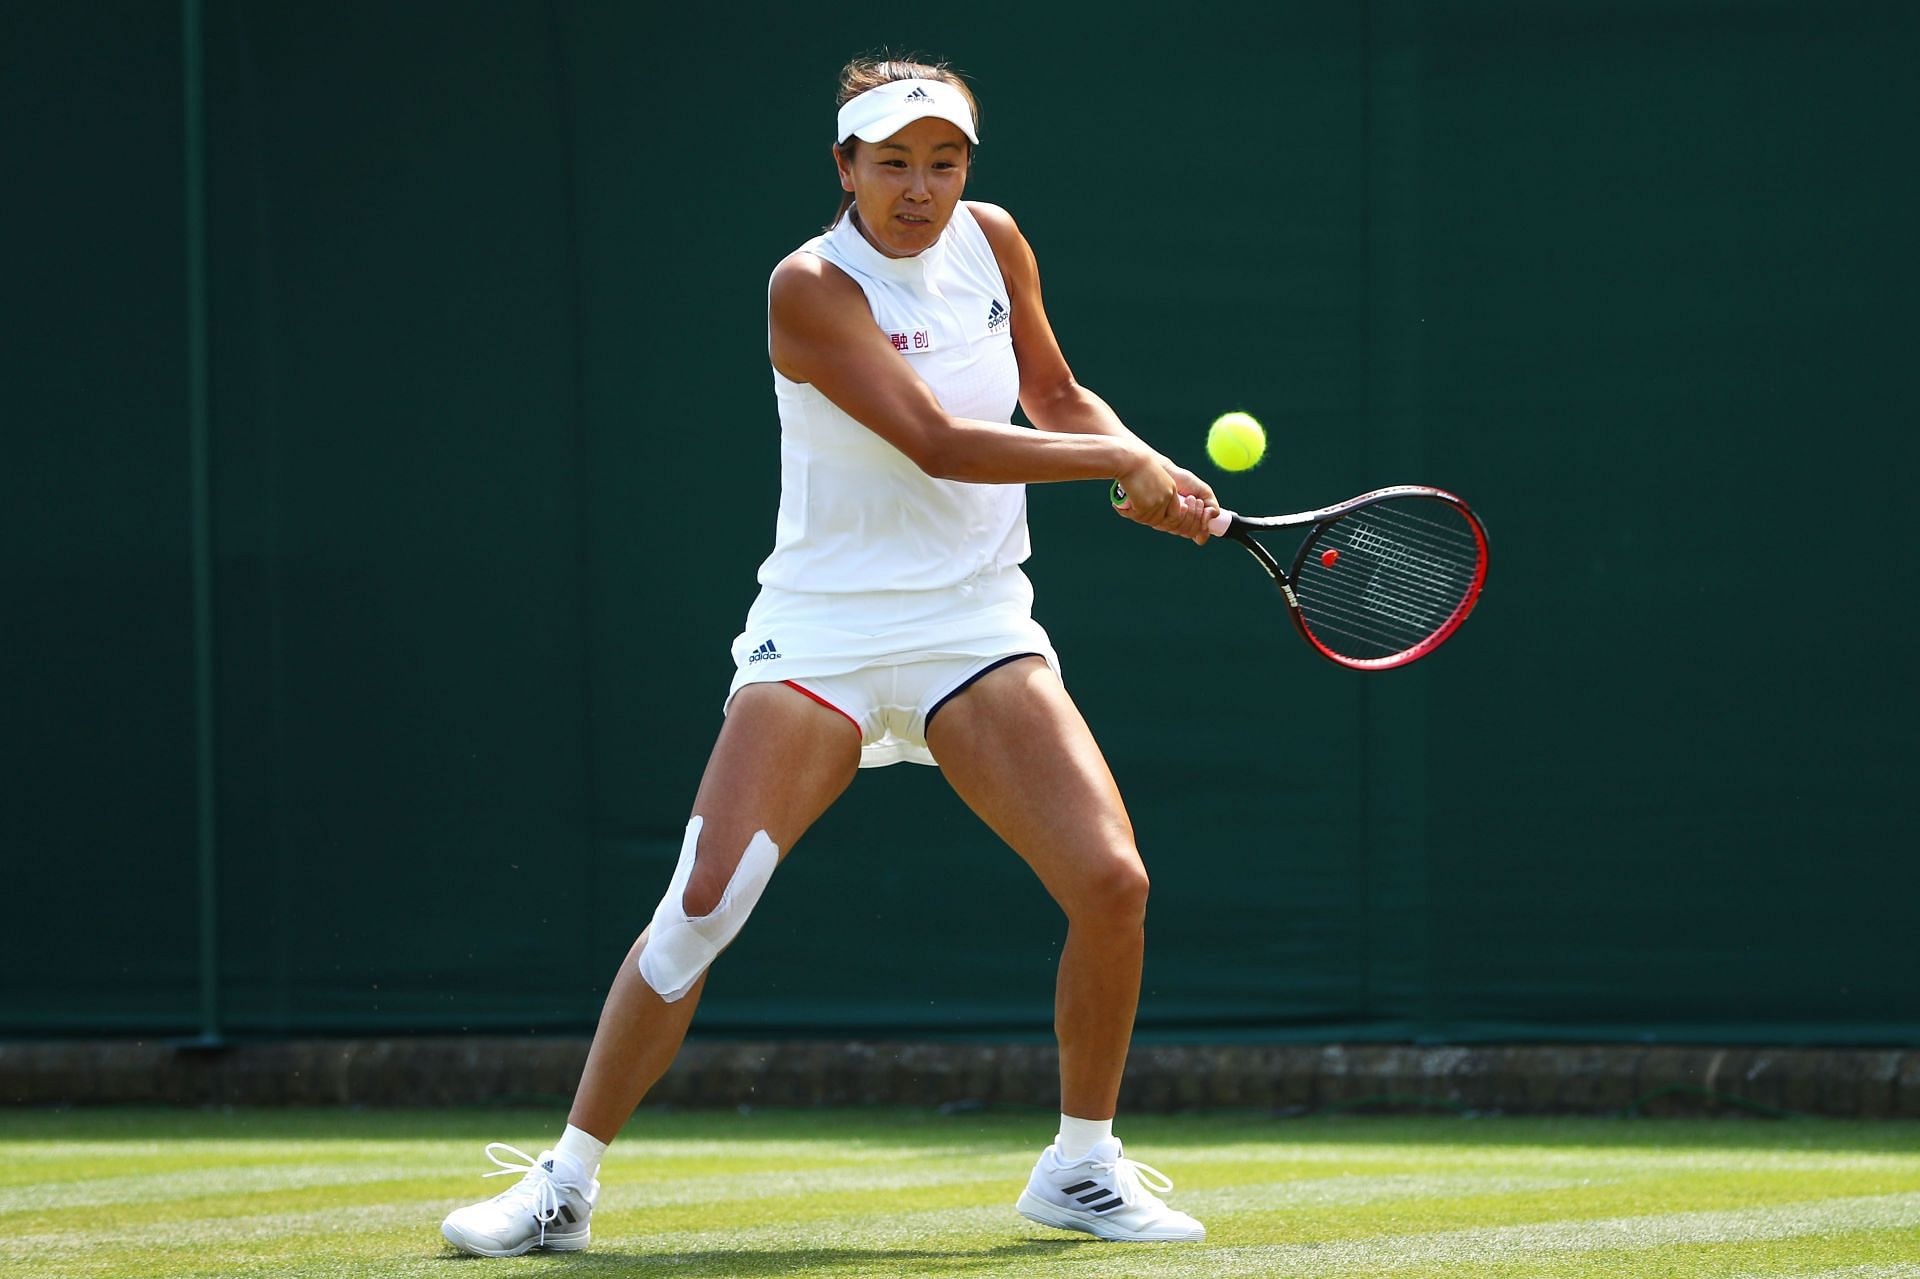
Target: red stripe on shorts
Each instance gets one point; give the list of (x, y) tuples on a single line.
[(798, 688)]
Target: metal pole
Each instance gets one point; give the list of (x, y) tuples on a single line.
[(200, 484)]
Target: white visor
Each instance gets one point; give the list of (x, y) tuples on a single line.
[(883, 111)]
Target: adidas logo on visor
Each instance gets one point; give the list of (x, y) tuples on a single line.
[(918, 95)]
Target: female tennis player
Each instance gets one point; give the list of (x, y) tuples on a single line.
[(894, 623)]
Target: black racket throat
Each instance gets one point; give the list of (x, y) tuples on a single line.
[(1240, 532)]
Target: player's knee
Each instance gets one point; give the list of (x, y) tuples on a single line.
[(716, 861), (1130, 889), (1115, 891), (705, 887), (702, 912)]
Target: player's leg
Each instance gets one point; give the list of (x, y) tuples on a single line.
[(782, 758), (780, 761), (1016, 749)]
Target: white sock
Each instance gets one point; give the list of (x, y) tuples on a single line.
[(583, 1148), (1078, 1137)]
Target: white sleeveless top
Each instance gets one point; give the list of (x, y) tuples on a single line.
[(855, 514)]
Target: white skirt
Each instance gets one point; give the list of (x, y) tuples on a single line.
[(885, 659)]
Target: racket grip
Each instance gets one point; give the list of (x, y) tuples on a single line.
[(1217, 526)]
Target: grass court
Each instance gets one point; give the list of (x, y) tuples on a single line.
[(878, 1192)]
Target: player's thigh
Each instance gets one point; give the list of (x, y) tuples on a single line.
[(780, 761), (1015, 748)]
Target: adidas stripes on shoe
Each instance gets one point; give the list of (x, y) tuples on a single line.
[(1106, 1195), (546, 1209)]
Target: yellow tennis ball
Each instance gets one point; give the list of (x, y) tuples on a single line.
[(1236, 441)]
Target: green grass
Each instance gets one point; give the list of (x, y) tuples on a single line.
[(907, 1193)]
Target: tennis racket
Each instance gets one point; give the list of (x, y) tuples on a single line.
[(1380, 580)]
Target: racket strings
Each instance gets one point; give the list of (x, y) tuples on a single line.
[(1392, 603), (1400, 572), (1377, 632), (1381, 609)]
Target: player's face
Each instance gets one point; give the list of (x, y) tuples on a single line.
[(905, 188)]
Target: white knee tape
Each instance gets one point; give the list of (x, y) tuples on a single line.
[(679, 948)]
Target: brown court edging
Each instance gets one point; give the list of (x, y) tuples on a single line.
[(1289, 1078)]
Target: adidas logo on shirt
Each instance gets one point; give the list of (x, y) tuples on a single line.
[(996, 317), (765, 653), (918, 95)]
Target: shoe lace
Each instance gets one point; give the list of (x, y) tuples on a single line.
[(537, 1191), (1135, 1178)]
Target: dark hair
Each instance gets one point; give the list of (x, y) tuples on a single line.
[(876, 69)]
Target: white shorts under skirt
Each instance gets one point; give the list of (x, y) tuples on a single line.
[(888, 659)]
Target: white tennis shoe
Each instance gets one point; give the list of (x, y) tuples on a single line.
[(1105, 1194), (546, 1209)]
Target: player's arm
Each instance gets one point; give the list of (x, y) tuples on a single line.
[(1051, 397), (821, 331)]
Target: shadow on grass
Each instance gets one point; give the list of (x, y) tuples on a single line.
[(784, 1261)]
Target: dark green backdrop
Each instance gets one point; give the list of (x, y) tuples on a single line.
[(492, 459)]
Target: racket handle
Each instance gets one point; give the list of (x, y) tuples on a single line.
[(1217, 526)]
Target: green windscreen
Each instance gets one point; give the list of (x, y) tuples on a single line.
[(495, 455)]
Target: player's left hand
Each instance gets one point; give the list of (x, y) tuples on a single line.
[(1197, 504)]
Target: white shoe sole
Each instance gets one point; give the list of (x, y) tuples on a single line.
[(573, 1242), (1034, 1208)]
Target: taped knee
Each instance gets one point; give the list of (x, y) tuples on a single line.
[(679, 948)]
